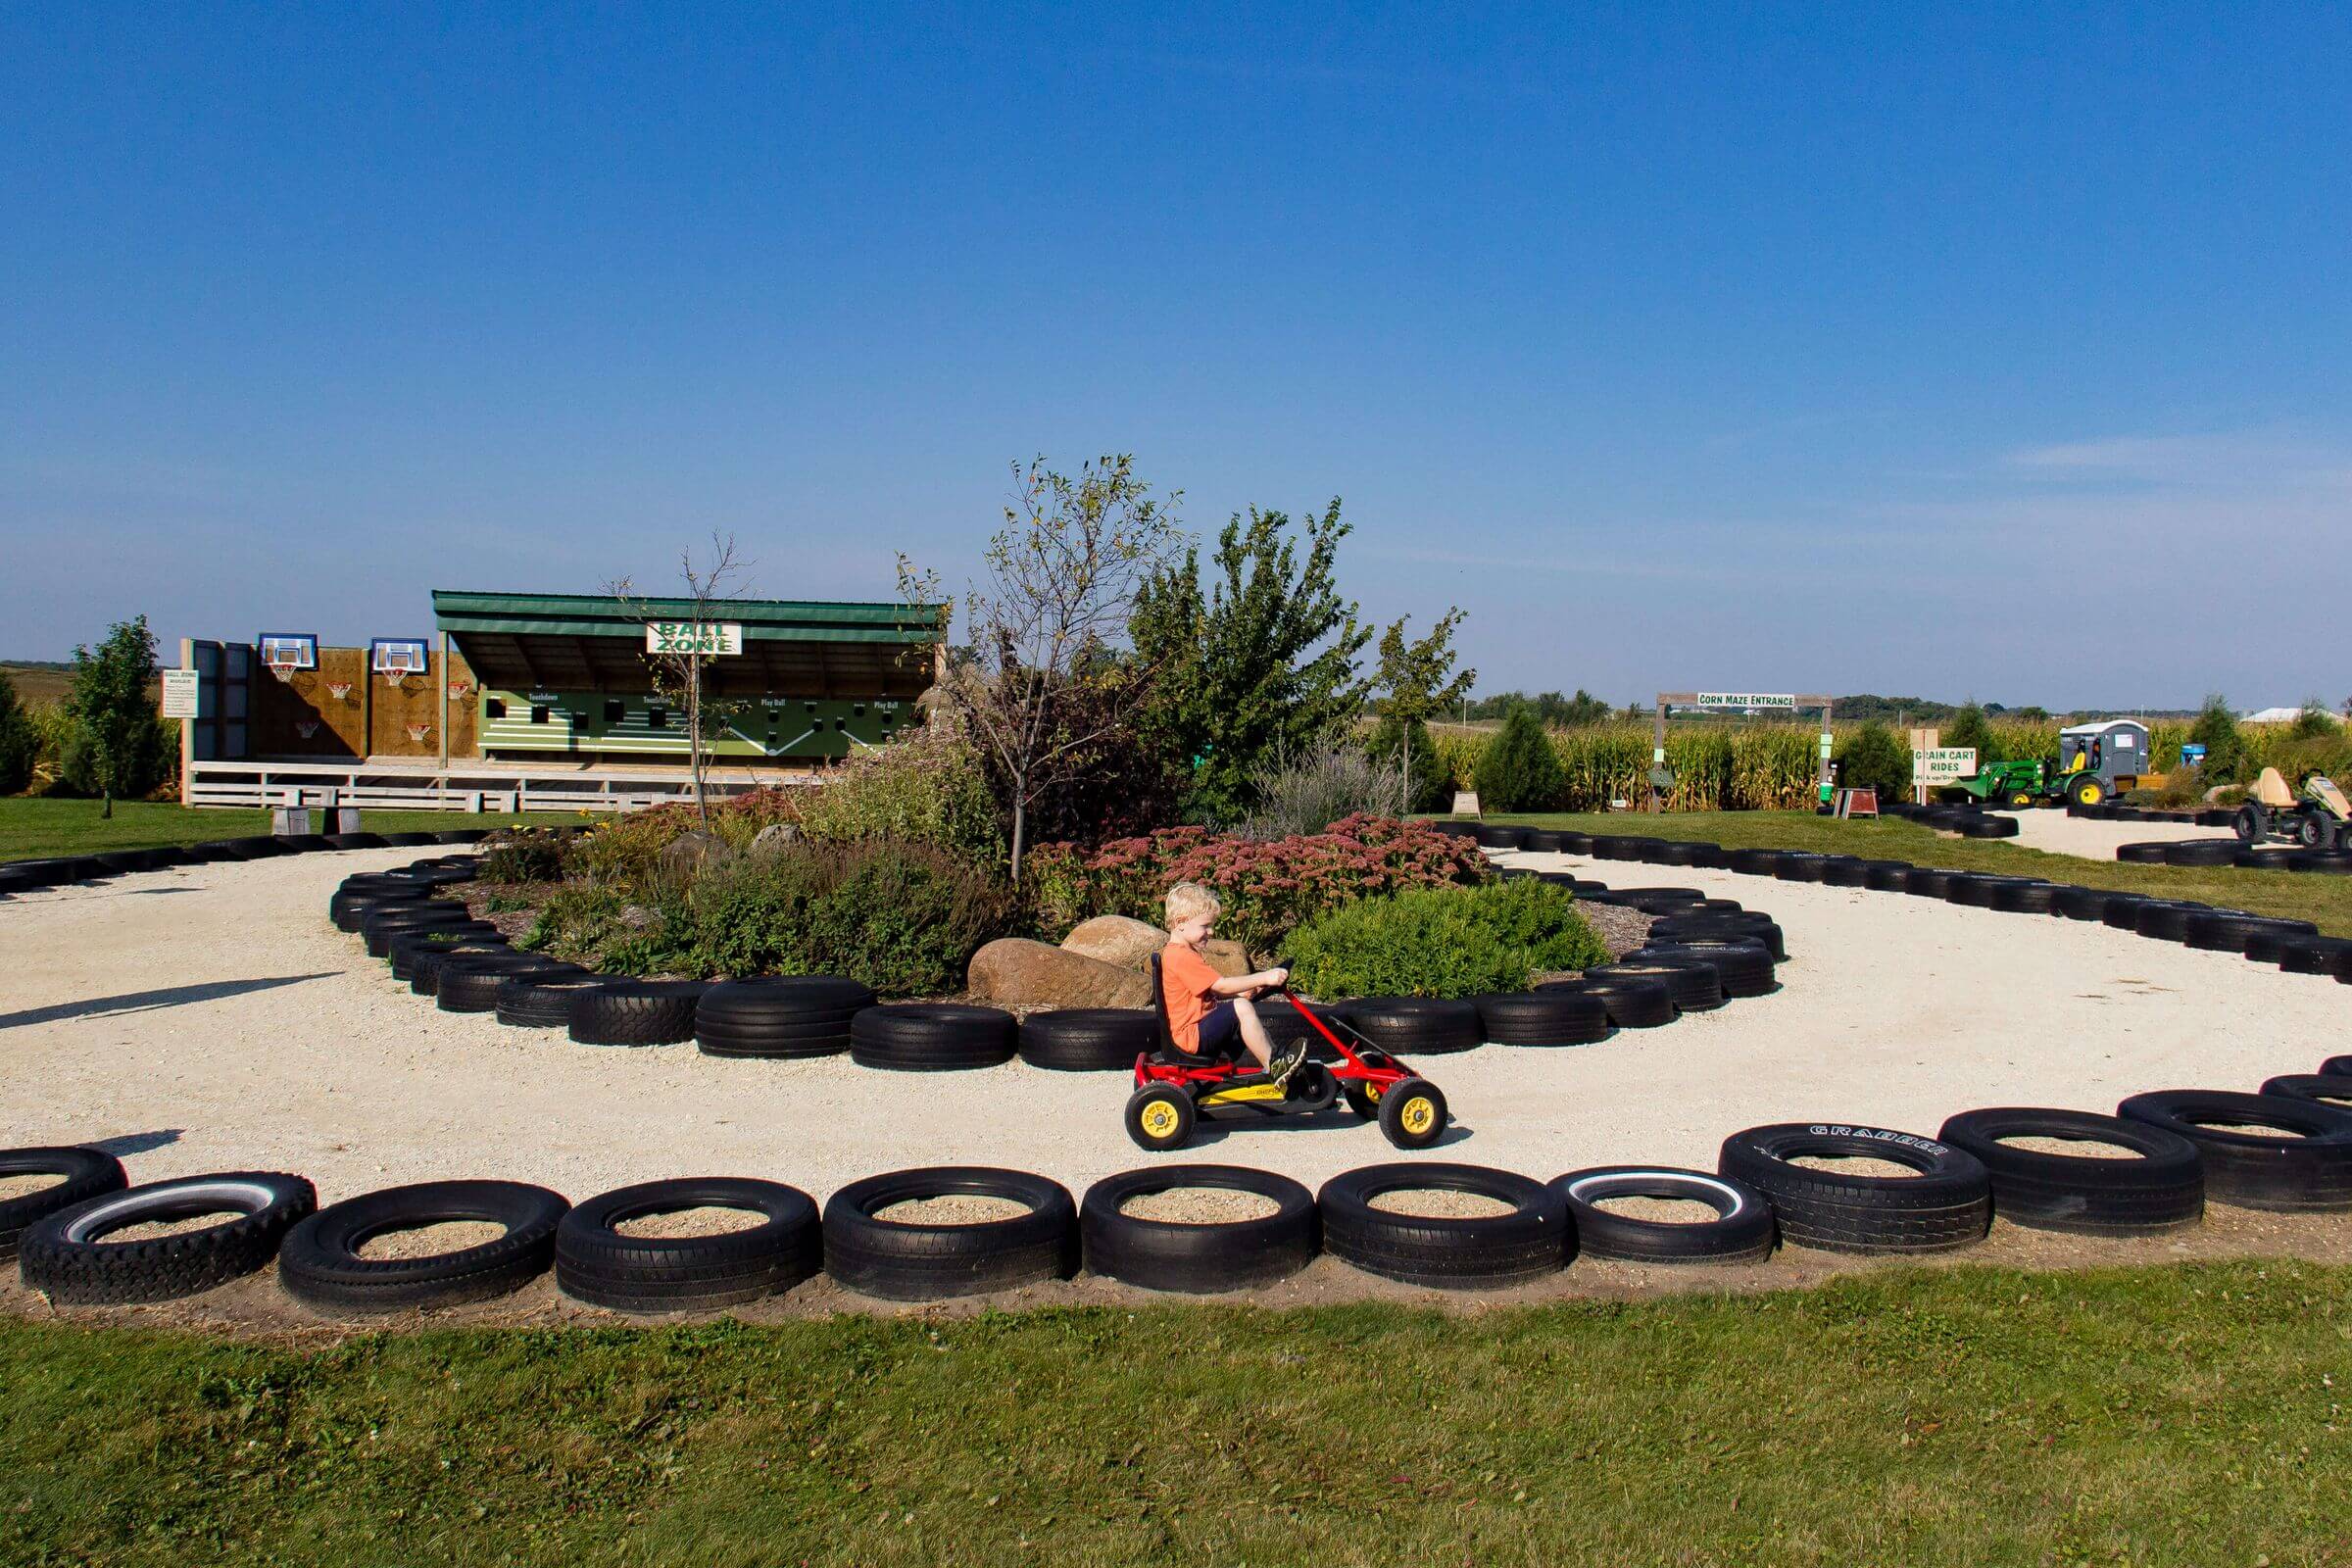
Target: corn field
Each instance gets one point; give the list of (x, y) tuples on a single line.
[(1751, 767)]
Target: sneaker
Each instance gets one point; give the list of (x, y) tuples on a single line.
[(1286, 1061)]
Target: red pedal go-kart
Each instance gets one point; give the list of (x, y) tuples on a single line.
[(1172, 1092)]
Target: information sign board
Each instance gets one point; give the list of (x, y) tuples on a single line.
[(685, 637), (181, 693)]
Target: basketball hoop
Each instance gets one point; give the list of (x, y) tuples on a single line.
[(306, 728), (339, 690), (457, 690), (418, 733), (284, 672), (396, 678)]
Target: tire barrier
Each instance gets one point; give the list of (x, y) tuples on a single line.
[(1530, 1240), (1092, 1038), (783, 1019), (1743, 967), (1417, 1026), (932, 1037), (2161, 1186), (2308, 1171), (1634, 1001), (470, 984), (68, 1256), (1946, 1203), (634, 1013), (533, 1000), (926, 1260), (320, 1262), (81, 1174), (1741, 1230), (1549, 1015), (1693, 984), (1197, 1258), (2325, 1088), (603, 1265)]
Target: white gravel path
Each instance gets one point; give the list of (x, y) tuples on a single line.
[(209, 1018), (2061, 834)]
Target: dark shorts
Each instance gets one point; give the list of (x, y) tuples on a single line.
[(1220, 1034)]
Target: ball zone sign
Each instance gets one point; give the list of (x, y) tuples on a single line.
[(685, 637)]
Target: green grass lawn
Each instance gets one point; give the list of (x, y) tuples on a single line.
[(2191, 1414), (33, 828), (2303, 896)]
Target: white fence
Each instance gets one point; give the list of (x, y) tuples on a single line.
[(457, 788)]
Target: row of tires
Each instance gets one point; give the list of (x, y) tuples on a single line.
[(2229, 851), (1764, 1190), (1703, 953), (2293, 945), (31, 876), (2109, 811)]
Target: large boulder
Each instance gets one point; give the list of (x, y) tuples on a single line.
[(691, 854), (1016, 969), (773, 839), (1228, 959), (1115, 939)]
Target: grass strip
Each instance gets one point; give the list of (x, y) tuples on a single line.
[(2317, 897), (2189, 1414), (35, 828)]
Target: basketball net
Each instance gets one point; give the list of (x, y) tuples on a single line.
[(284, 672), (339, 689), (418, 733)]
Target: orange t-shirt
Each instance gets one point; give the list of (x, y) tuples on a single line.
[(1186, 980)]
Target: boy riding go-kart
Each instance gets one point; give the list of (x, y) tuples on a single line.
[(1216, 1058)]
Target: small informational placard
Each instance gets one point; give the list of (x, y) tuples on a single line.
[(182, 692), (1465, 803), (1942, 764), (1783, 701), (713, 637)]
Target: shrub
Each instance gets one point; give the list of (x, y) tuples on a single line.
[(1268, 886), (1334, 781), (926, 788), (1970, 727), (528, 854), (1871, 758), (1519, 771), (1444, 942), (1431, 774), (2313, 723), (2226, 755), (20, 743)]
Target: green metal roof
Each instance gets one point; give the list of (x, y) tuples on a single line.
[(596, 642)]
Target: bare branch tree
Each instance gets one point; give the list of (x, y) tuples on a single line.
[(677, 650), (1047, 680)]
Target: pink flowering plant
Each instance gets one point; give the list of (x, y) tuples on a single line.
[(1268, 886)]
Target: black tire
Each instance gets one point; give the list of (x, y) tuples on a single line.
[(783, 1017), (355, 841), (529, 999), (1988, 825), (1752, 863), (472, 985), (1745, 925), (478, 936), (1091, 1039), (1691, 984), (2149, 854), (1742, 968), (1887, 876), (1974, 890), (2082, 904), (1531, 1241), (1560, 1015), (1634, 1001), (68, 1257), (927, 1262), (603, 1266), (2232, 930), (1541, 840), (1198, 1259), (1679, 851), (2162, 1189), (1948, 1204), (2165, 920), (403, 840), (2024, 897), (2331, 863), (81, 1174), (635, 1013), (2300, 954), (1576, 843), (1494, 836), (2200, 852), (1160, 1117), (380, 928), (1411, 1113), (2123, 910), (2322, 1088), (1798, 865), (1741, 1230), (2308, 1173), (425, 963), (1625, 847), (1417, 1026), (932, 1037), (1929, 882), (2338, 1066), (320, 1263), (1845, 871)]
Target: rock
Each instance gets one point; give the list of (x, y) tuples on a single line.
[(690, 853), (1019, 970), (637, 917), (1115, 939), (1228, 959), (773, 839)]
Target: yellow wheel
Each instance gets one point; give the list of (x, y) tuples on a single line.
[(1159, 1117), (1412, 1114), (2089, 793), (2020, 799)]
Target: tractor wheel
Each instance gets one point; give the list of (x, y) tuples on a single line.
[(2089, 792), (2021, 799)]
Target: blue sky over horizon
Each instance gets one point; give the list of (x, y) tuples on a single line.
[(1885, 349)]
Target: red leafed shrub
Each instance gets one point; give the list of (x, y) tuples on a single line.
[(1268, 885)]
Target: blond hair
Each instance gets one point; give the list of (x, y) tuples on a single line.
[(1189, 900)]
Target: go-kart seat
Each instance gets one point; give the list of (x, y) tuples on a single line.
[(1164, 1051)]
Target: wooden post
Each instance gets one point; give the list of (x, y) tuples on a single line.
[(444, 682), (187, 726)]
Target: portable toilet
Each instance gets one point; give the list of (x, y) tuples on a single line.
[(2101, 759)]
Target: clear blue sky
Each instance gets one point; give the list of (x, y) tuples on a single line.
[(1783, 348)]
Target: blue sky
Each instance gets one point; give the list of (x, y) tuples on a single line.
[(1889, 349)]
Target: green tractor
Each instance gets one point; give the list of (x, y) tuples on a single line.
[(2020, 782)]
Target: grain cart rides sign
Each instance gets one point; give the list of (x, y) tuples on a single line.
[(710, 637), (1942, 764)]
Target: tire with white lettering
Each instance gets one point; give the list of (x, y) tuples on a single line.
[(2161, 1186), (1946, 1203), (1740, 1233)]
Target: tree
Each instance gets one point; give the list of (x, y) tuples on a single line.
[(676, 664), (2216, 729), (1417, 679), (1970, 727), (1519, 771), (1259, 670), (19, 741), (1873, 758), (119, 744), (1048, 686), (2313, 723)]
